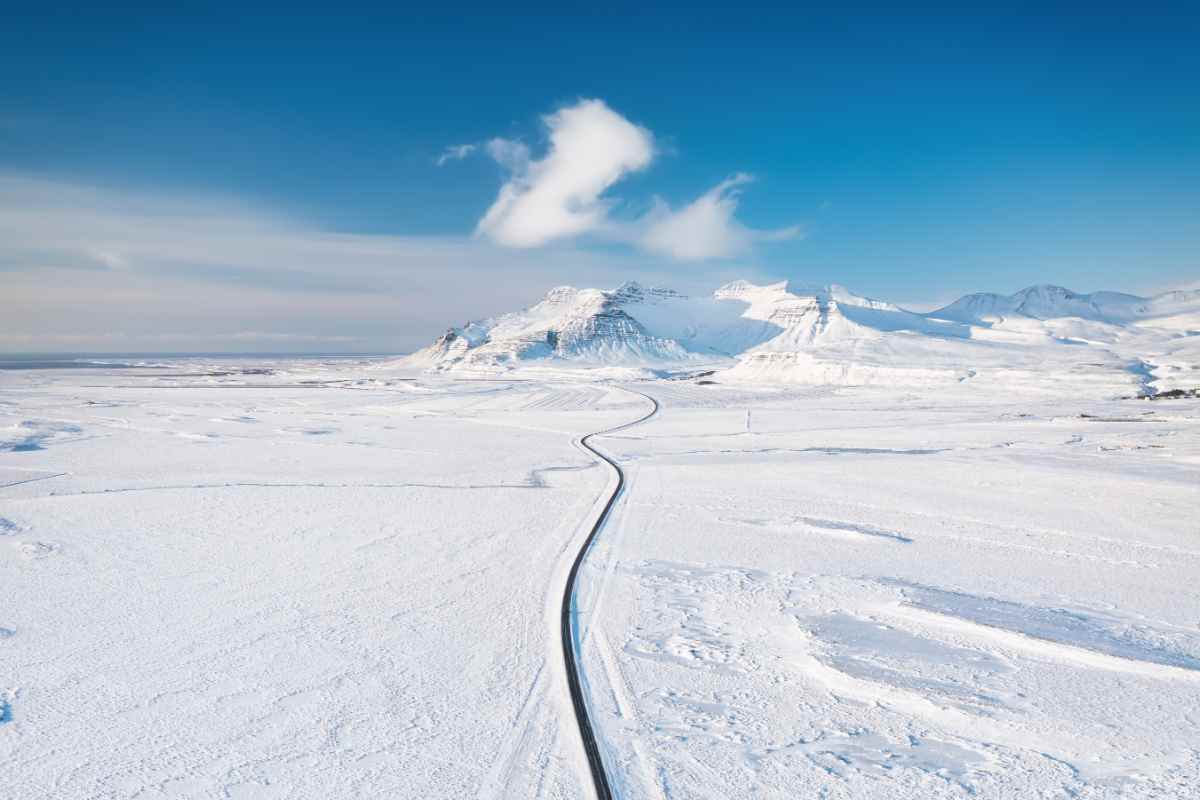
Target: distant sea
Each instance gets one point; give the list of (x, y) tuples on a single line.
[(18, 361)]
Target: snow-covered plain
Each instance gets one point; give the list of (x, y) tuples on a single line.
[(315, 580), (858, 593), (258, 587)]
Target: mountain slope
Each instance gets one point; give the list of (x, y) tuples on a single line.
[(1044, 336), (1047, 302), (568, 324)]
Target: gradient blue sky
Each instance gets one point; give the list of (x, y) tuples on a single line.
[(926, 151)]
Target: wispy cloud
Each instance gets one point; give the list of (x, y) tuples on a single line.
[(126, 340), (456, 153), (119, 268), (510, 154), (82, 264), (706, 227)]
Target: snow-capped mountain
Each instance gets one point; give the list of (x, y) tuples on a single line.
[(581, 325), (1054, 302), (780, 333)]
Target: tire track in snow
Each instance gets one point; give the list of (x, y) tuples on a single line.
[(570, 642)]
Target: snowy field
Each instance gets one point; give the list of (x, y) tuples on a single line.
[(866, 594), (288, 579)]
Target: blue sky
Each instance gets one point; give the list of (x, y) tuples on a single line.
[(923, 152)]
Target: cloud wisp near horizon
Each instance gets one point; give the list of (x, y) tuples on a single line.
[(134, 270), (87, 268), (104, 270)]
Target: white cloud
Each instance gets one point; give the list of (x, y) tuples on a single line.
[(706, 228), (562, 195), (94, 269), (456, 153), (559, 196), (107, 339), (510, 154)]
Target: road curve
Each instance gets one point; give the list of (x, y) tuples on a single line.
[(586, 731)]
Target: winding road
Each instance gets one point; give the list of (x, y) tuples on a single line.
[(586, 731)]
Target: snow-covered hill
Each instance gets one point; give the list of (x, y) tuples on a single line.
[(582, 325), (1044, 336), (1047, 302)]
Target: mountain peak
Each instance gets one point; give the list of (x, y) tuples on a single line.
[(781, 332), (628, 292), (1047, 291), (632, 292), (560, 294), (1045, 301), (738, 289)]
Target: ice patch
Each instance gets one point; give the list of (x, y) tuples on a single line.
[(821, 525), (31, 434), (872, 651), (8, 527), (825, 451), (238, 420), (1100, 633), (851, 527)]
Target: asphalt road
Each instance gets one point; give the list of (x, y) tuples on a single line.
[(586, 730)]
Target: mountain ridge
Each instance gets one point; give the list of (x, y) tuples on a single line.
[(780, 332)]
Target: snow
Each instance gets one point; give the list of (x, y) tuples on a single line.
[(314, 579), (274, 589), (1044, 339), (862, 593)]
